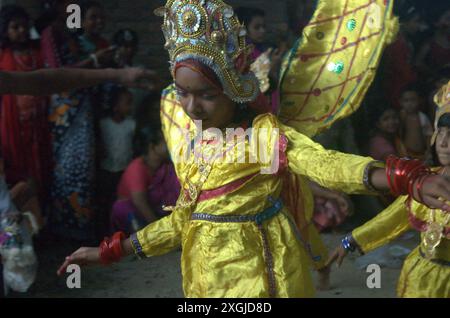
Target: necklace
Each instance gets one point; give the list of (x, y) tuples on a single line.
[(434, 233), (189, 197)]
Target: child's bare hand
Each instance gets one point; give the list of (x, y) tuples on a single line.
[(84, 256), (338, 256)]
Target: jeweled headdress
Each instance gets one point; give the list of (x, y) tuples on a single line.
[(442, 100), (209, 32)]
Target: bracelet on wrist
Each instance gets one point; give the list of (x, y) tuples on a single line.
[(347, 244), (111, 249)]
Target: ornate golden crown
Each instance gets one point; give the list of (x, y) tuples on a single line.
[(442, 100), (210, 32)]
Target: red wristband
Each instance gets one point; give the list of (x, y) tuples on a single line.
[(111, 249)]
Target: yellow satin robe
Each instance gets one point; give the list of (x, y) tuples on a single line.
[(227, 259), (420, 277)]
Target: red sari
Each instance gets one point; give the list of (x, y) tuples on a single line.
[(25, 137)]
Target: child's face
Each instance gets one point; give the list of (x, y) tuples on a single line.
[(257, 30), (203, 101), (94, 21), (18, 31), (410, 101), (389, 122), (124, 104), (443, 145)]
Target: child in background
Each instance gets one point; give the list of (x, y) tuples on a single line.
[(385, 139), (126, 41), (263, 54), (117, 133), (92, 43), (416, 127), (255, 21)]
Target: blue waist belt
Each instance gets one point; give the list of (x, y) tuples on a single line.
[(259, 218)]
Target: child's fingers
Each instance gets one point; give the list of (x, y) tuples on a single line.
[(331, 259), (63, 267), (340, 259)]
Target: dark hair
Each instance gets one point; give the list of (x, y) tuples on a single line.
[(115, 94), (414, 87), (146, 136), (376, 108), (444, 121), (89, 4), (246, 14), (125, 36), (7, 14)]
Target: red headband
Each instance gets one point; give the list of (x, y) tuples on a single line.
[(201, 69), (261, 104)]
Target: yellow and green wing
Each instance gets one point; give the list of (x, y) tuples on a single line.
[(328, 71)]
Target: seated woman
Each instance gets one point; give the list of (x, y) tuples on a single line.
[(147, 184)]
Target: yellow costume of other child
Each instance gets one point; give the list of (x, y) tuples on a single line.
[(238, 236), (421, 276)]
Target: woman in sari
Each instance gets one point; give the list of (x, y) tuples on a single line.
[(72, 121), (25, 137)]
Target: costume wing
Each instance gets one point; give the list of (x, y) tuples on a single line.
[(328, 71)]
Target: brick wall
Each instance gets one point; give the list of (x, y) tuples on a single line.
[(138, 15)]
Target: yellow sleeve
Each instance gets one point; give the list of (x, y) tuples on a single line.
[(162, 236), (383, 228), (329, 168)]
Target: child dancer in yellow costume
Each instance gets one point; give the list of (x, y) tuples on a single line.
[(232, 218), (426, 271)]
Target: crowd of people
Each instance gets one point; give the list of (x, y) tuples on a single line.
[(88, 162)]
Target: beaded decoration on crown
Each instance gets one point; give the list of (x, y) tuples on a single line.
[(442, 100), (210, 32)]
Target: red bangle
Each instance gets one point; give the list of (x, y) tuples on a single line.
[(402, 175), (389, 172), (111, 249)]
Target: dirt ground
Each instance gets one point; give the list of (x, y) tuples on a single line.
[(161, 277)]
